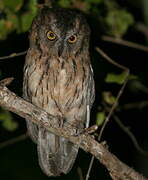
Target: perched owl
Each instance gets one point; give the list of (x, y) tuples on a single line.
[(58, 78)]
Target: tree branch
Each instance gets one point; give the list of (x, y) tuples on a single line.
[(125, 43), (13, 141), (13, 55), (117, 169)]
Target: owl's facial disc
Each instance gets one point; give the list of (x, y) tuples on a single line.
[(61, 42)]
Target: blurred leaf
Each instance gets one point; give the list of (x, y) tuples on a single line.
[(7, 25), (7, 122), (109, 98), (116, 78), (64, 3), (15, 19), (1, 5), (100, 118), (27, 17), (26, 20), (32, 6), (3, 32), (13, 5), (136, 85), (118, 20), (133, 77), (11, 22), (94, 1)]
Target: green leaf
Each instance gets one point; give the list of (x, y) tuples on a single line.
[(1, 5), (12, 21), (26, 20), (13, 5), (3, 31), (118, 20), (133, 77), (27, 17), (108, 98), (116, 78), (136, 85), (100, 118), (32, 6), (94, 1), (64, 3), (7, 122)]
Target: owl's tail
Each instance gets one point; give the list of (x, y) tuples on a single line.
[(56, 154)]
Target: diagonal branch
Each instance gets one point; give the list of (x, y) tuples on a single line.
[(117, 169), (13, 55), (125, 43)]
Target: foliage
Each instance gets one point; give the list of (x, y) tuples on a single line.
[(100, 118), (16, 16), (116, 78), (116, 19), (7, 121), (118, 22)]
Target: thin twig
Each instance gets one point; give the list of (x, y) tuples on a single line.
[(90, 167), (13, 55), (125, 43), (130, 134), (138, 105), (13, 141), (142, 28), (112, 108), (79, 170), (106, 57)]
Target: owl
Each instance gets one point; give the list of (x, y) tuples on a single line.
[(58, 78)]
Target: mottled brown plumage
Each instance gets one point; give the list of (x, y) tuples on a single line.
[(58, 78)]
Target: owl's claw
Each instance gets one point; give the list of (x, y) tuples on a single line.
[(89, 130), (61, 122)]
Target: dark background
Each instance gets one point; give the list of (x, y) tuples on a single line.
[(19, 161)]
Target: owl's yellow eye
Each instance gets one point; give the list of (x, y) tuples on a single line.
[(72, 39), (51, 35)]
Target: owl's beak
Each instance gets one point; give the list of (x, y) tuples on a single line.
[(60, 49)]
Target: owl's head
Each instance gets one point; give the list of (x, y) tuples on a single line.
[(60, 32)]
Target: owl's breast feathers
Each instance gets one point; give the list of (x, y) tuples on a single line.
[(61, 86)]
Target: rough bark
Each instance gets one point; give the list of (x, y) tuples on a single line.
[(117, 169)]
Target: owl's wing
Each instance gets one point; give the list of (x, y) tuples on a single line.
[(32, 130), (56, 154), (90, 96), (91, 87), (31, 127)]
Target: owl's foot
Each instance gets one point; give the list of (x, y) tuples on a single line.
[(90, 130), (62, 122)]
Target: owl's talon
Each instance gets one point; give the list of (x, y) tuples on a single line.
[(90, 130)]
